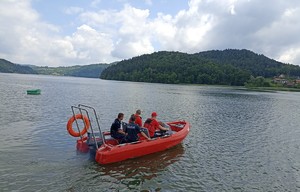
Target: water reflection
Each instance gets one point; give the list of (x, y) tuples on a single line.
[(135, 172)]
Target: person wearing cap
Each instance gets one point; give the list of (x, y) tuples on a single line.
[(138, 118), (154, 127), (133, 130), (116, 129)]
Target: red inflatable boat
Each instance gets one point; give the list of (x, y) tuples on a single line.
[(108, 150)]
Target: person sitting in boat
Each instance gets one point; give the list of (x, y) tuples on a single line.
[(138, 118), (117, 130), (133, 130), (155, 127)]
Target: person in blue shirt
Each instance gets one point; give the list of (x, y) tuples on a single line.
[(117, 130), (133, 130)]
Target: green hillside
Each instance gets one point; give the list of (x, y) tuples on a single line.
[(90, 71), (256, 64), (9, 67), (228, 67)]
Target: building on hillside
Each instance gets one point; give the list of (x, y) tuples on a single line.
[(279, 80), (297, 81), (287, 82)]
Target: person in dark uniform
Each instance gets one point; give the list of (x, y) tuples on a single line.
[(116, 129), (133, 130)]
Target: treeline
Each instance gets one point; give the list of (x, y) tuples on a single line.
[(256, 64), (9, 67), (228, 67), (90, 71)]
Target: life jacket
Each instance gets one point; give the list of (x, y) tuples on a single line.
[(138, 120), (150, 127)]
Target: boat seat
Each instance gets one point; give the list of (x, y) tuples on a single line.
[(169, 132), (146, 131), (163, 133), (109, 139)]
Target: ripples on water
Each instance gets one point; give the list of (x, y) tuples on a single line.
[(239, 140)]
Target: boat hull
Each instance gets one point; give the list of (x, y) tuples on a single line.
[(107, 153), (34, 92)]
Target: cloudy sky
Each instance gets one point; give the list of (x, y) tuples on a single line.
[(79, 32)]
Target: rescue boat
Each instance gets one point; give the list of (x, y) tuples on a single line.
[(107, 149)]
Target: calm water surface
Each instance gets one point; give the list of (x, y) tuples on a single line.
[(239, 140)]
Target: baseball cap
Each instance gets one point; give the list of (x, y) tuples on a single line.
[(154, 114)]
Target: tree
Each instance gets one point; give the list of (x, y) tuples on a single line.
[(257, 82)]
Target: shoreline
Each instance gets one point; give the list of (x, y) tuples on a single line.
[(272, 89)]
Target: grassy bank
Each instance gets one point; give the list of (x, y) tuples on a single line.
[(273, 89)]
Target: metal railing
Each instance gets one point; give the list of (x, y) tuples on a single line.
[(89, 112)]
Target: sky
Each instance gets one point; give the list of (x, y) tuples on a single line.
[(80, 32)]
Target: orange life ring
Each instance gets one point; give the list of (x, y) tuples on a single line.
[(70, 125)]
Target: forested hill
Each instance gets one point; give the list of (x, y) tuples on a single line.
[(90, 71), (228, 67), (9, 67), (258, 65)]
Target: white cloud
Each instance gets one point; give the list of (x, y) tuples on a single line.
[(165, 27), (290, 55), (23, 38), (128, 28), (26, 39), (90, 45), (85, 46), (133, 33), (270, 28), (281, 37)]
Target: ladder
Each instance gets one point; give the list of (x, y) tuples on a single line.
[(95, 138)]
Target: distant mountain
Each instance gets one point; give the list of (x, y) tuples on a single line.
[(9, 67), (90, 71), (227, 67)]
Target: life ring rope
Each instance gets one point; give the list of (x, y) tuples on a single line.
[(70, 129)]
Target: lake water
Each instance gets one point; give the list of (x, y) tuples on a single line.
[(239, 140)]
